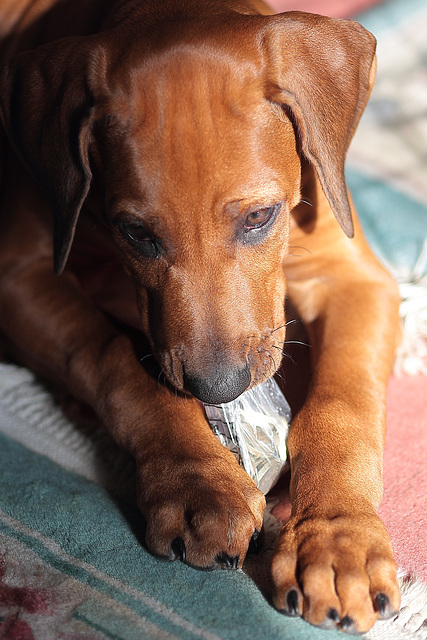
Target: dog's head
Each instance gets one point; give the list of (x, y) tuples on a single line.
[(193, 134)]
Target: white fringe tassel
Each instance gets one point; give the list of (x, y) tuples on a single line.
[(411, 621), (412, 354)]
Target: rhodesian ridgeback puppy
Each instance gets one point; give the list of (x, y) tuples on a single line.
[(191, 157)]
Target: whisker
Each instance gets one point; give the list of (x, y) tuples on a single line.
[(276, 371), (279, 375), (274, 366), (147, 355), (287, 355), (161, 373), (304, 344), (283, 326), (292, 247), (278, 328), (303, 200)]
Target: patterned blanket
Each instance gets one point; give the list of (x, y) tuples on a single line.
[(72, 560), (387, 164)]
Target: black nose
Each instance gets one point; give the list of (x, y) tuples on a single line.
[(221, 386)]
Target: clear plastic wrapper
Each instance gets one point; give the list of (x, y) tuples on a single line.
[(255, 427)]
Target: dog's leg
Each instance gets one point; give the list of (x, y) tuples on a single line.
[(333, 562), (199, 504)]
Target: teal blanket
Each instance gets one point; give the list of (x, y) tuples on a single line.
[(72, 560)]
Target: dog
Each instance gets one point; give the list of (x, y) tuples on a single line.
[(171, 172)]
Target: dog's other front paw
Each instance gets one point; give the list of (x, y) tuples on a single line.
[(336, 571), (204, 511)]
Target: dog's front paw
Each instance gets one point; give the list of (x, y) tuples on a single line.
[(336, 571), (203, 511)]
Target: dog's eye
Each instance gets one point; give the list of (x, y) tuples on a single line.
[(138, 236), (260, 218)]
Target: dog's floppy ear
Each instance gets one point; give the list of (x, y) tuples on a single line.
[(47, 109), (323, 70)]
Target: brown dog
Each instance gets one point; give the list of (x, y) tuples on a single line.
[(183, 133)]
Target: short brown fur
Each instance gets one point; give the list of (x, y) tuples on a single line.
[(171, 142)]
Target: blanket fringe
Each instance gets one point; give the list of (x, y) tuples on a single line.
[(411, 356), (411, 621)]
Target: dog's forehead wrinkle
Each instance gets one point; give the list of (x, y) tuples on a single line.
[(188, 173), (193, 78), (193, 121)]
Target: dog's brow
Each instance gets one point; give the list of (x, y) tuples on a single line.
[(256, 199), (133, 208), (130, 211)]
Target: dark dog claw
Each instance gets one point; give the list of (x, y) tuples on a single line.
[(178, 548), (255, 542), (382, 605), (227, 561), (292, 603), (333, 615), (348, 625), (331, 620)]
